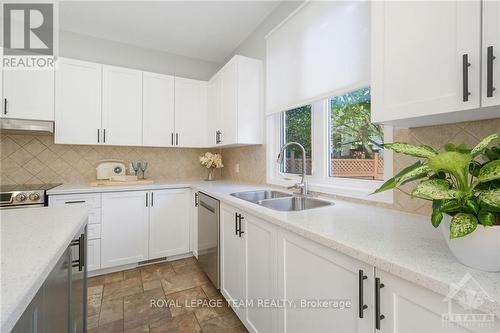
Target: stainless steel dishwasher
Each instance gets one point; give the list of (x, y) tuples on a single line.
[(208, 236)]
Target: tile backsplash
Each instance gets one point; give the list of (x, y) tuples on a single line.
[(252, 160), (36, 159)]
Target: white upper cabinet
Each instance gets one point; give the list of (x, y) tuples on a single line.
[(28, 94), (491, 54), (122, 106), (157, 110), (190, 113), (78, 102), (236, 103), (426, 62)]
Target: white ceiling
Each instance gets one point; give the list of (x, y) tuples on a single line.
[(207, 30)]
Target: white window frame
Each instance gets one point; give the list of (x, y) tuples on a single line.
[(320, 180)]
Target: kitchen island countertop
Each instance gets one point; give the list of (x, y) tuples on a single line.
[(32, 241)]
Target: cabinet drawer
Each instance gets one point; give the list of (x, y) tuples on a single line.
[(94, 231), (93, 254), (92, 200)]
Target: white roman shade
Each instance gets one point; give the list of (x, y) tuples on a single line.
[(321, 50)]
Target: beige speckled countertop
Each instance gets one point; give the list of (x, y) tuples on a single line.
[(403, 244), (33, 240)]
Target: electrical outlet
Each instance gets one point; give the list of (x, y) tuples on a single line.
[(237, 168)]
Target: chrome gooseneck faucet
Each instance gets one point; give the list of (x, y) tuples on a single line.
[(302, 186)]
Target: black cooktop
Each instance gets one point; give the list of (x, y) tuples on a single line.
[(27, 187)]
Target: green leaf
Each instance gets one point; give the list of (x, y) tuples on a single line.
[(474, 168), (462, 224), (414, 174), (392, 183), (472, 204), (489, 171), (450, 206), (411, 150), (490, 200), (449, 147), (436, 218), (452, 162), (435, 189), (481, 146), (486, 218)]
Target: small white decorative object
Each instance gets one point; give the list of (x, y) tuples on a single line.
[(211, 162), (480, 249)]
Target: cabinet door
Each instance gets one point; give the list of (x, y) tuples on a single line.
[(232, 259), (214, 110), (261, 261), (32, 319), (122, 106), (124, 232), (29, 94), (229, 104), (407, 307), (491, 54), (417, 58), (190, 113), (158, 110), (169, 223), (78, 102), (309, 271)]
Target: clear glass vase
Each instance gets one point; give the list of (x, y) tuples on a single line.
[(211, 174)]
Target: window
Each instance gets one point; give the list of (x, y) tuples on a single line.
[(355, 143), (343, 148), (296, 127)]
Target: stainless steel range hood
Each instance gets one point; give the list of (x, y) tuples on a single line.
[(21, 126)]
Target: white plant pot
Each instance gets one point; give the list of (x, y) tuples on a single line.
[(479, 249)]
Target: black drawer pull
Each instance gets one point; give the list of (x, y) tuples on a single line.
[(362, 305), (74, 202), (378, 316), (240, 217), (489, 72), (465, 77), (236, 224)]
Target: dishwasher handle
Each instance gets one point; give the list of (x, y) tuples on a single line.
[(206, 206)]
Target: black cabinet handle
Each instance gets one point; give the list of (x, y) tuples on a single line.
[(5, 106), (362, 305), (146, 199), (236, 224), (239, 222), (378, 316), (196, 199), (80, 262), (172, 137), (74, 202), (152, 199), (465, 77), (218, 137), (104, 135), (98, 136), (489, 72), (176, 139)]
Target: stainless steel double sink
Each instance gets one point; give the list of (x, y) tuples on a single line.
[(281, 201)]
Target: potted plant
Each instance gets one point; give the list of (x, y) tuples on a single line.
[(464, 187), (211, 162)]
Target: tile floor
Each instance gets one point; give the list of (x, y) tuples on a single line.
[(187, 301)]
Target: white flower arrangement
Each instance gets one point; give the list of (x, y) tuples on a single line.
[(210, 161)]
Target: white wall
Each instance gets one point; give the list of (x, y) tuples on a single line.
[(78, 46), (254, 46)]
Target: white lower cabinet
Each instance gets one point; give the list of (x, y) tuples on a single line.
[(232, 258), (260, 273), (406, 307), (169, 223), (125, 229), (308, 274)]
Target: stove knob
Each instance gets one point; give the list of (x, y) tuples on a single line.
[(34, 196), (21, 197)]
